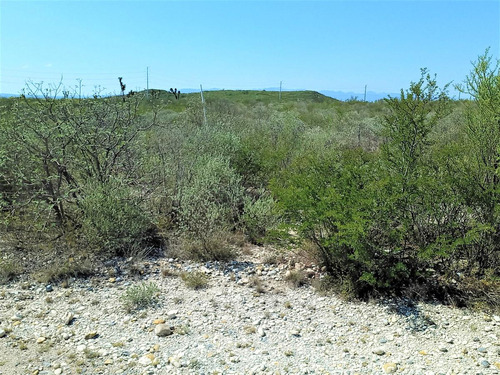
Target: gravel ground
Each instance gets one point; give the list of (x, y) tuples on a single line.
[(236, 325)]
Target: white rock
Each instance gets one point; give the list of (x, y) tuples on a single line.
[(162, 330), (145, 361), (261, 332)]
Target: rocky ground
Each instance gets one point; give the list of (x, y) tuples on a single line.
[(247, 320)]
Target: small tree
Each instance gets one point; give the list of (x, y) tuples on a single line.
[(406, 130), (483, 140), (58, 146)]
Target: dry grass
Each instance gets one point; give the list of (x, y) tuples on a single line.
[(8, 270), (256, 283), (296, 278), (195, 280)]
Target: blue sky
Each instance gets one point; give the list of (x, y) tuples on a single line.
[(315, 45)]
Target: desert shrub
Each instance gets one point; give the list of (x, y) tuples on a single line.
[(258, 216), (208, 200), (482, 137), (63, 269), (112, 217), (215, 246), (327, 200), (140, 296), (296, 278), (8, 270), (195, 280)]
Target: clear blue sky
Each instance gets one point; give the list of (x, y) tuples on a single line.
[(316, 45)]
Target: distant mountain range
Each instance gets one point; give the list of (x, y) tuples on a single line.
[(371, 96)]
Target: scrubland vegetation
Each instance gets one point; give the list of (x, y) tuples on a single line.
[(396, 196)]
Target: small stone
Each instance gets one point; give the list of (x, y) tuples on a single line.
[(81, 348), (443, 349), (112, 280), (496, 318), (487, 318), (158, 321), (145, 360), (485, 364), (16, 318), (175, 361), (91, 335), (390, 367), (68, 318), (162, 330), (379, 351), (58, 371), (497, 365), (49, 288), (2, 333), (40, 340), (108, 361), (172, 314), (488, 329), (482, 350), (295, 332), (261, 332), (423, 352)]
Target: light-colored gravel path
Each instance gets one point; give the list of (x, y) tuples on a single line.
[(231, 328)]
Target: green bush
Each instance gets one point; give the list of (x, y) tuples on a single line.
[(328, 201), (259, 215), (112, 217), (208, 200)]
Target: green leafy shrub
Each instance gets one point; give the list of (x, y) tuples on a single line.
[(258, 216), (208, 203), (112, 217), (328, 201)]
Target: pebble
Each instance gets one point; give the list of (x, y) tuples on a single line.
[(68, 318), (390, 367), (91, 335), (212, 328), (485, 363), (145, 360), (162, 330)]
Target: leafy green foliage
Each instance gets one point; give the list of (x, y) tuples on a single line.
[(389, 195), (112, 219)]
